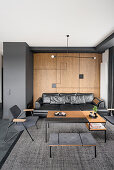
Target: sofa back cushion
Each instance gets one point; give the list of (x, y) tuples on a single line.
[(46, 97), (57, 100), (67, 96), (88, 97), (77, 99)]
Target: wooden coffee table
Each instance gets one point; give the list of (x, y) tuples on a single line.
[(71, 117), (74, 117)]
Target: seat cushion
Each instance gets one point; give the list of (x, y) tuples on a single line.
[(86, 107), (69, 107), (47, 107), (30, 121)]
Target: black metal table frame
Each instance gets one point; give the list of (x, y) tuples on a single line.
[(67, 120), (62, 120), (98, 130)]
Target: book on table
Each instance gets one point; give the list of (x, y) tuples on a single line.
[(96, 126)]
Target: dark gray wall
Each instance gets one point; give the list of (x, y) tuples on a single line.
[(29, 75), (15, 81), (111, 78)]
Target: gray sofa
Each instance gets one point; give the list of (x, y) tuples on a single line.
[(68, 102)]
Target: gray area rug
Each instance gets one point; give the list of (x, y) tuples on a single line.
[(28, 155)]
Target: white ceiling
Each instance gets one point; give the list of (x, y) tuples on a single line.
[(46, 22)]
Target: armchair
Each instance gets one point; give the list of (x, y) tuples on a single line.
[(110, 118), (21, 124)]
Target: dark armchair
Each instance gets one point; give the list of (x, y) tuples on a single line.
[(21, 124), (110, 118)]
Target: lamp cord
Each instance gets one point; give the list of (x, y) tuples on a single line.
[(67, 42)]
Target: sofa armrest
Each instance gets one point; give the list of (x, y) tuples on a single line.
[(38, 103), (98, 102)]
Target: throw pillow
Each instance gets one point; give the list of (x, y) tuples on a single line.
[(77, 99), (46, 99), (57, 100)]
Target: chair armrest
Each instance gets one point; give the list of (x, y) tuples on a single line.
[(38, 103), (98, 102), (110, 109), (19, 120), (28, 110)]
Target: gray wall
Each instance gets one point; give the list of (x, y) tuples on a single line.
[(111, 78), (29, 75), (15, 67)]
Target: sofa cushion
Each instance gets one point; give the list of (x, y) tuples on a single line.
[(47, 107), (67, 96), (46, 97), (86, 106), (78, 99), (57, 100), (88, 97), (69, 107)]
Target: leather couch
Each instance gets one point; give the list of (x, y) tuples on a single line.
[(68, 102)]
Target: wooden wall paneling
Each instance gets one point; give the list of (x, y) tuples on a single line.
[(69, 75), (67, 90), (43, 80), (94, 90), (91, 70), (44, 74), (64, 71), (43, 61)]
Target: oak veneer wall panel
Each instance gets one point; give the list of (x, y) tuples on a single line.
[(95, 91), (91, 70), (68, 90), (44, 74), (69, 72), (43, 80), (43, 61)]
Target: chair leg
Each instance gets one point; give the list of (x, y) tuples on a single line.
[(29, 134), (6, 134), (10, 124), (11, 138), (36, 126)]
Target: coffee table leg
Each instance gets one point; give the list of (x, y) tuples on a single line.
[(50, 151), (46, 131), (95, 152), (105, 136)]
